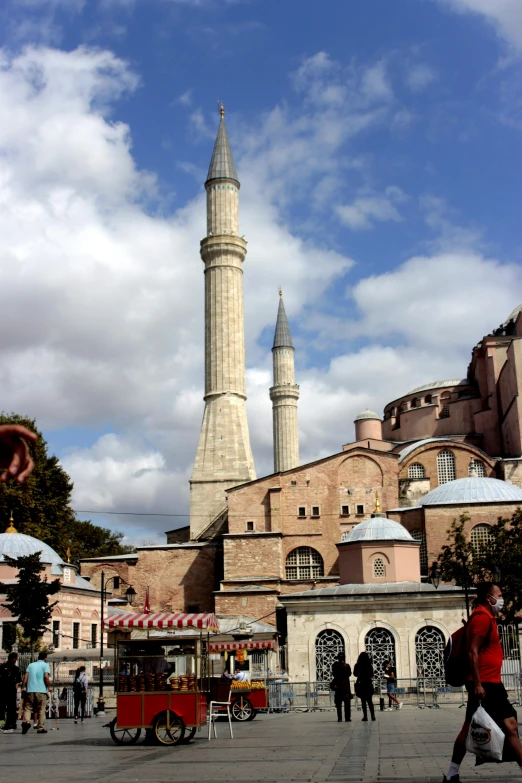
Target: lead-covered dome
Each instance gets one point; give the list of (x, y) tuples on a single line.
[(367, 414), (18, 544), (377, 528), (473, 490)]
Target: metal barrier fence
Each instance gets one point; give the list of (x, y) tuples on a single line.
[(423, 693)]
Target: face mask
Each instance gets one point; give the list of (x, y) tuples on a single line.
[(497, 606)]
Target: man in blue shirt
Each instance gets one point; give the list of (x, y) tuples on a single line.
[(35, 686)]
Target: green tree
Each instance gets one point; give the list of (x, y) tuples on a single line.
[(41, 506), (28, 598), (459, 560)]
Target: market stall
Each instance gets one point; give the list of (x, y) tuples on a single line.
[(161, 683), (248, 695)]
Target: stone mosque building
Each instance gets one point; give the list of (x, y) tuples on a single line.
[(312, 539)]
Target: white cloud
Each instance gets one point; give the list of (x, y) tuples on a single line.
[(419, 76), (365, 211), (504, 15)]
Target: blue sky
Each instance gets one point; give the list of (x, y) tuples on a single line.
[(378, 147)]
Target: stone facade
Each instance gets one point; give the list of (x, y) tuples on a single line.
[(223, 456)]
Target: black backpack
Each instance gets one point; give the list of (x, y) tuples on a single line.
[(456, 663)]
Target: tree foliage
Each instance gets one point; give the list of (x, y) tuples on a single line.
[(460, 561), (41, 506), (28, 599)]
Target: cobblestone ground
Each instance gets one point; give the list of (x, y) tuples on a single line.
[(400, 747)]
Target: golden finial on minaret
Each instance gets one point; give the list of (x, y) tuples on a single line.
[(11, 528), (221, 108), (280, 292), (68, 554), (377, 504)]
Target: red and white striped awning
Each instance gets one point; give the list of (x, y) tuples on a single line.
[(204, 621), (267, 644)]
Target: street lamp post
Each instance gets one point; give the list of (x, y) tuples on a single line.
[(129, 595)]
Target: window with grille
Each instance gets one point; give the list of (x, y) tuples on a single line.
[(416, 471), (304, 563), (76, 636), (345, 511), (418, 535), (446, 466), (301, 511), (477, 468), (66, 574), (56, 634), (360, 509), (379, 568), (444, 412), (316, 511), (94, 635), (481, 537)]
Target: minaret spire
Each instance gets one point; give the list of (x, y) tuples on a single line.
[(284, 395), (223, 457)]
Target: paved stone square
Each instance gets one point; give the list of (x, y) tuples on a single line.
[(400, 747)]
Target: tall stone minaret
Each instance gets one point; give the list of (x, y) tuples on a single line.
[(284, 395), (223, 457)]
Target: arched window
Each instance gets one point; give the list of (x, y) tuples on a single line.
[(427, 399), (418, 535), (304, 563), (476, 468), (379, 568), (404, 406), (416, 471), (429, 653), (328, 645), (446, 466), (380, 646), (481, 537)]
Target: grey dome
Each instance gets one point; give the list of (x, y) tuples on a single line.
[(367, 414), (17, 544), (513, 314), (377, 529), (473, 490)]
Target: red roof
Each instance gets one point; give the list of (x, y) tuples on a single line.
[(267, 644), (204, 621)]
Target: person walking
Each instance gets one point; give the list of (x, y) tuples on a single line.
[(390, 675), (10, 679), (36, 684), (80, 686), (341, 673), (363, 670), (484, 683)]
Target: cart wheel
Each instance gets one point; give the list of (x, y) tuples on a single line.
[(190, 735), (124, 736), (254, 713), (168, 728), (242, 709)]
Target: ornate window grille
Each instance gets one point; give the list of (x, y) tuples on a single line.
[(446, 466), (477, 468), (304, 563), (445, 412), (419, 535), (379, 568), (380, 646), (328, 645), (429, 654), (481, 536), (416, 471), (509, 639)]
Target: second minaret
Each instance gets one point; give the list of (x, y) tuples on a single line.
[(284, 395)]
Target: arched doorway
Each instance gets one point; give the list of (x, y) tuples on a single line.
[(380, 646), (328, 645), (429, 653)]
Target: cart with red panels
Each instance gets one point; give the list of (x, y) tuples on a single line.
[(248, 697), (161, 683)]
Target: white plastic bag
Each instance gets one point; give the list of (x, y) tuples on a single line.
[(485, 739)]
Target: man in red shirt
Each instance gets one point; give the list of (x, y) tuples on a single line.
[(484, 685)]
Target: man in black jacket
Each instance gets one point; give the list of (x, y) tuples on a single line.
[(10, 679), (341, 684)]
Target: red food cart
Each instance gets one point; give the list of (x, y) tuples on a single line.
[(161, 682), (248, 696)]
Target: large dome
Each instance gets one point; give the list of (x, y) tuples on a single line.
[(377, 529), (17, 544), (473, 490)]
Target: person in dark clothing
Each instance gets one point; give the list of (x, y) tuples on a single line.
[(80, 687), (363, 670), (10, 679), (342, 672)]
